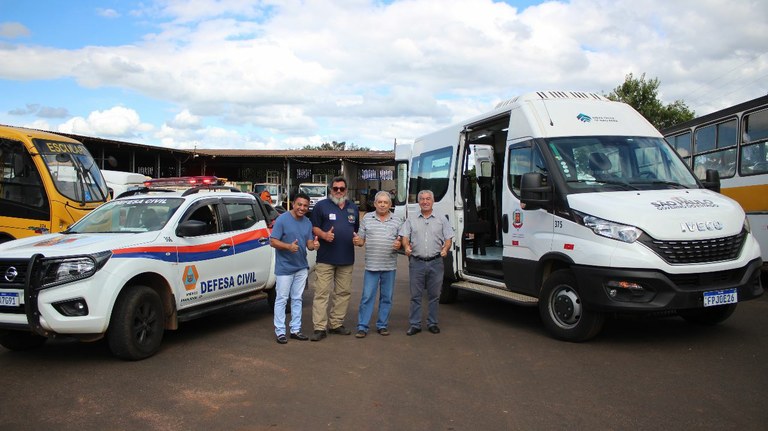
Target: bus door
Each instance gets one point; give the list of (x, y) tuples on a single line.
[(24, 206)]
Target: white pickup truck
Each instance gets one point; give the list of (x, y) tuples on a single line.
[(136, 266)]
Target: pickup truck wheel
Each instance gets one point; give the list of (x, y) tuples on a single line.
[(20, 340), (709, 315), (562, 310), (137, 324)]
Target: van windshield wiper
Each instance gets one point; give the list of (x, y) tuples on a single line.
[(669, 183), (622, 184)]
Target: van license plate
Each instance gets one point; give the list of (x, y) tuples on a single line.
[(721, 297), (9, 299)]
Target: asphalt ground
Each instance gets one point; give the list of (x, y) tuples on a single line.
[(492, 368)]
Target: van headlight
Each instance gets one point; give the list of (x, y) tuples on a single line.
[(56, 271), (608, 229), (746, 225)]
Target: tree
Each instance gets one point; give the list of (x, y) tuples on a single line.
[(335, 146), (643, 96)]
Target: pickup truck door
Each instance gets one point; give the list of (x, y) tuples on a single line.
[(205, 261), (252, 261)]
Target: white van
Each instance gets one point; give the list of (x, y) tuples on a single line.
[(575, 203), (119, 181)]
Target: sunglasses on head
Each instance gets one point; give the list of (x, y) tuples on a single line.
[(339, 189)]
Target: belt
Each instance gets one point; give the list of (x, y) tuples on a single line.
[(426, 259)]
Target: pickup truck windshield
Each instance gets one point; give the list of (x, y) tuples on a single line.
[(128, 215)]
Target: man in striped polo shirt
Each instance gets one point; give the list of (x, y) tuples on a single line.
[(379, 233)]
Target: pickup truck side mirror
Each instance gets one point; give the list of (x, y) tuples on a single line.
[(192, 228), (534, 192), (712, 182)]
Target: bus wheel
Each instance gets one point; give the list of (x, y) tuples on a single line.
[(709, 315), (562, 311), (136, 328), (21, 340), (448, 294)]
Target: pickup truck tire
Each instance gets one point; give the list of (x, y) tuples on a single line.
[(21, 340), (709, 315), (562, 312), (136, 328)]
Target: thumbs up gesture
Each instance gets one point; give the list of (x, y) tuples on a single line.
[(356, 240), (294, 246), (330, 235), (315, 244)]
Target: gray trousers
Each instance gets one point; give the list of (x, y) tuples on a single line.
[(425, 276)]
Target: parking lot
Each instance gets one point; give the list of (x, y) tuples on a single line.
[(492, 368)]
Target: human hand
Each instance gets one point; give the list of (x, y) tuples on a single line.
[(396, 244), (294, 247), (329, 235), (356, 240), (315, 244)]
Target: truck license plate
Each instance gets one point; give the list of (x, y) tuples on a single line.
[(720, 297), (9, 299)]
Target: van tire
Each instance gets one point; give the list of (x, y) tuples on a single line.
[(448, 294), (21, 340), (707, 316), (136, 328), (561, 310)]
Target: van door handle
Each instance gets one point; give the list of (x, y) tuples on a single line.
[(505, 223), (225, 247)]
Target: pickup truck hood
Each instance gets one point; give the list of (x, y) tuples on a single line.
[(73, 244), (666, 214)]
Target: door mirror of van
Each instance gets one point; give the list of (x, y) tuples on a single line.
[(712, 181), (535, 193)]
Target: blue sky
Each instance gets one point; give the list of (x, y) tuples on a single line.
[(288, 73)]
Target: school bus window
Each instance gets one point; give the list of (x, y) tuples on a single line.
[(21, 182)]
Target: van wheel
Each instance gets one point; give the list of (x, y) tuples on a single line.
[(448, 294), (21, 340), (709, 315), (562, 310), (137, 324)]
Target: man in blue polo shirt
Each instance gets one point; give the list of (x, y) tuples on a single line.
[(335, 221)]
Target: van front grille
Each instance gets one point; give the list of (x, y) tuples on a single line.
[(682, 252)]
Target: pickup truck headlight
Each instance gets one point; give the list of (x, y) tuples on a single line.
[(608, 229), (56, 271)]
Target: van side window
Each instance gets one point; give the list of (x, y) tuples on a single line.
[(522, 160), (430, 171)]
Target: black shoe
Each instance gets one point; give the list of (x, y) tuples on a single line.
[(281, 339), (340, 330), (318, 335), (434, 329), (412, 331), (299, 336), (383, 331)]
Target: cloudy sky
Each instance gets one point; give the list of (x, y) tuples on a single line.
[(279, 74)]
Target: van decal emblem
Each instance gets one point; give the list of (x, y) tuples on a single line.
[(676, 203), (584, 118), (517, 219), (701, 226)]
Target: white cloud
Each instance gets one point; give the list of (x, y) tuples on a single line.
[(116, 123)]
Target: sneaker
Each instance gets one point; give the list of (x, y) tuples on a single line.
[(281, 339), (383, 331), (361, 334), (318, 335), (340, 330), (299, 336)]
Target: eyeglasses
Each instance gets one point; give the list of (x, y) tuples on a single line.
[(339, 189)]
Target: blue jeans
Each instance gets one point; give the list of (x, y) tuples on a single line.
[(384, 282), (293, 286), (425, 276)]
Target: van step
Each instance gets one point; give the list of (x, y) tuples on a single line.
[(496, 292)]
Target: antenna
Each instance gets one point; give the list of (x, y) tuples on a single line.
[(548, 116)]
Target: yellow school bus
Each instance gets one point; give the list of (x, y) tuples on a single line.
[(47, 182)]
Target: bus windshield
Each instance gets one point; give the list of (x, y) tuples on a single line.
[(602, 163), (73, 171)]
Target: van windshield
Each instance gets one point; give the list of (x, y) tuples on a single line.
[(619, 163), (313, 190), (73, 171)]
